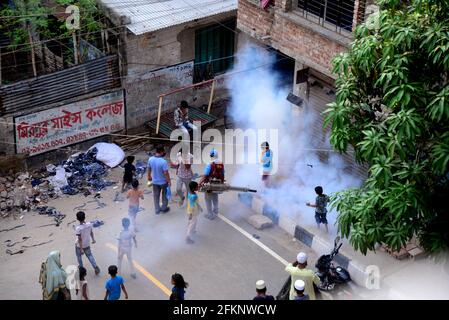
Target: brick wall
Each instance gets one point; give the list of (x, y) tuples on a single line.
[(291, 34)]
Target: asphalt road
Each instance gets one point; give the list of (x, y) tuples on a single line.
[(224, 263)]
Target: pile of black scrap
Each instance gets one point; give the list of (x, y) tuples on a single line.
[(24, 191), (52, 212), (85, 174)]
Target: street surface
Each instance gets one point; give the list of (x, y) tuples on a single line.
[(228, 256)]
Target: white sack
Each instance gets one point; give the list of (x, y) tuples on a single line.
[(109, 153)]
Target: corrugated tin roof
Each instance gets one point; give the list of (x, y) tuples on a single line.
[(152, 15)]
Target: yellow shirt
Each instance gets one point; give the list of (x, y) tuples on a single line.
[(192, 204), (306, 275)]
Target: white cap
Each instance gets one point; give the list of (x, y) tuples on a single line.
[(260, 285), (300, 285), (301, 257)]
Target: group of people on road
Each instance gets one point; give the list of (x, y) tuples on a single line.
[(53, 277), (159, 178), (302, 282)]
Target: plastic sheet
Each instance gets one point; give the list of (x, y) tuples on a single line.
[(109, 153)]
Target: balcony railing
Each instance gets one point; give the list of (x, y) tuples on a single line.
[(340, 16)]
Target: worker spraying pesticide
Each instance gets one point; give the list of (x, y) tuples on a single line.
[(214, 173)]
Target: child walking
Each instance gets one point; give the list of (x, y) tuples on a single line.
[(114, 285), (130, 169), (179, 285), (82, 245), (125, 246), (82, 292), (193, 209), (266, 160), (320, 204), (134, 195)]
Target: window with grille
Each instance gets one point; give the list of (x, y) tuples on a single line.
[(337, 12)]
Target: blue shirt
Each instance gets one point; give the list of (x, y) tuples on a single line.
[(267, 161), (113, 285), (178, 292), (158, 166)]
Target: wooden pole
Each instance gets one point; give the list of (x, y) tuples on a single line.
[(33, 61), (211, 96), (75, 47), (159, 114)]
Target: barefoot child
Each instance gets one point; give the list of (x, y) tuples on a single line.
[(114, 285), (125, 246), (134, 195), (130, 170), (320, 205), (193, 209), (82, 292)]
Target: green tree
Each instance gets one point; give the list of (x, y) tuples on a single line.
[(20, 20), (392, 110), (24, 17)]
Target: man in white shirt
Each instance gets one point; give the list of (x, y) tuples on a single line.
[(82, 245)]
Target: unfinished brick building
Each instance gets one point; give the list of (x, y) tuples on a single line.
[(310, 33)]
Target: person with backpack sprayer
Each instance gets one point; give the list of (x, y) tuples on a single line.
[(214, 173)]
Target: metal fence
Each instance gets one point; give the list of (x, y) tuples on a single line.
[(99, 74)]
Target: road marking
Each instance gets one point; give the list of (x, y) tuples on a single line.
[(250, 237), (142, 270)]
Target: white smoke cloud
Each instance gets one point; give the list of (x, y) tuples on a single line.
[(259, 103)]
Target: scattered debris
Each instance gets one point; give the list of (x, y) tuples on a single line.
[(8, 251), (141, 168), (97, 223), (47, 225), (37, 244), (81, 173), (6, 230), (69, 223), (9, 245), (52, 212), (100, 205), (119, 197), (131, 144)]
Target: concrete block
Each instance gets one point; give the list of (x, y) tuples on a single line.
[(287, 224), (304, 236), (257, 205), (358, 274), (271, 213), (259, 221)]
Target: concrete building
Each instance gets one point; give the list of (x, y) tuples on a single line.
[(170, 44), (310, 33)]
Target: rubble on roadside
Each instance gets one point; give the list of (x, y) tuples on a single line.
[(82, 173)]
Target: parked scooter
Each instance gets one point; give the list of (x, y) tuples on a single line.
[(328, 273)]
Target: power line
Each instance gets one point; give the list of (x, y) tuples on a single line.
[(147, 138), (122, 77)]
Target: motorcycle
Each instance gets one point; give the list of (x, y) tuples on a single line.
[(329, 274)]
